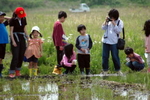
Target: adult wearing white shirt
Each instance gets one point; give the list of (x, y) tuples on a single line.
[(113, 27)]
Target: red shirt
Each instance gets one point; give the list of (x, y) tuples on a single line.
[(57, 34)]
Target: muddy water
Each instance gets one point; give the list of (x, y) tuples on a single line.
[(69, 89)]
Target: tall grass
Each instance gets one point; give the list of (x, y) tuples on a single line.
[(133, 18)]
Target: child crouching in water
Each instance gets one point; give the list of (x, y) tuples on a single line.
[(69, 59), (135, 61), (34, 50)]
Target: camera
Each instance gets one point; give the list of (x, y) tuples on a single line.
[(108, 19)]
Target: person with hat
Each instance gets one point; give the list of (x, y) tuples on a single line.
[(34, 50), (18, 37), (3, 38)]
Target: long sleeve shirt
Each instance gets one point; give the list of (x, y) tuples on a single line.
[(68, 62), (137, 57), (147, 44), (58, 33), (84, 42), (112, 32)]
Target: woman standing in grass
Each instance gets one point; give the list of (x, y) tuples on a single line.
[(34, 50), (18, 36), (113, 27), (147, 41)]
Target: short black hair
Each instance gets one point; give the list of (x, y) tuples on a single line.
[(147, 28), (80, 27), (128, 51), (113, 13), (62, 14)]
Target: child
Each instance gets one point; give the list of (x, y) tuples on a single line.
[(110, 39), (34, 49), (58, 34), (83, 44), (147, 41), (18, 36), (135, 61), (3, 39), (69, 59)]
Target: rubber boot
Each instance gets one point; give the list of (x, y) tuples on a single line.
[(30, 72), (17, 72), (87, 71), (82, 71), (1, 68), (35, 71), (57, 70)]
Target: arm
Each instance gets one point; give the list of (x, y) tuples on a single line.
[(65, 61), (90, 43), (25, 31), (104, 26), (77, 43), (12, 36), (118, 28)]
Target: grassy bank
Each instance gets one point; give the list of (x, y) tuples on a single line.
[(133, 17)]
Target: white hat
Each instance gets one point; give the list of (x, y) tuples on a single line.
[(36, 28)]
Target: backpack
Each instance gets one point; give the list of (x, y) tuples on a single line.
[(121, 41)]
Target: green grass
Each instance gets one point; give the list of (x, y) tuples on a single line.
[(133, 18)]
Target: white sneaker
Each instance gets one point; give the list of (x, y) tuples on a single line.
[(104, 72), (119, 73)]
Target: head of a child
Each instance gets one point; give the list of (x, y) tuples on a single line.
[(147, 28), (35, 32), (19, 12), (2, 14), (129, 52), (113, 14), (81, 29), (62, 15), (68, 50)]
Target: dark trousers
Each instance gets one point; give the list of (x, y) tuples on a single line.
[(17, 53), (84, 62), (69, 69), (60, 54), (107, 48), (135, 66)]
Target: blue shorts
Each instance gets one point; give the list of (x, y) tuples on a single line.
[(33, 59)]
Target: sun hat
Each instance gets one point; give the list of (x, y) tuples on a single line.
[(20, 12), (35, 28), (2, 13)]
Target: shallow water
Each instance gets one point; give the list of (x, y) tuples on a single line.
[(67, 89)]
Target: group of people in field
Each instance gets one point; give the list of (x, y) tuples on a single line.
[(66, 56)]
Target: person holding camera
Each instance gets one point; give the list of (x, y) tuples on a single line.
[(113, 27)]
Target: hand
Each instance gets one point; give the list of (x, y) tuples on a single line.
[(113, 21), (14, 44), (61, 48), (83, 50), (73, 63)]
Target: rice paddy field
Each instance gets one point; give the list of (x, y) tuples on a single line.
[(76, 87)]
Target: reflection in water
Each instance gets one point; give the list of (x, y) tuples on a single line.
[(6, 88), (84, 89)]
